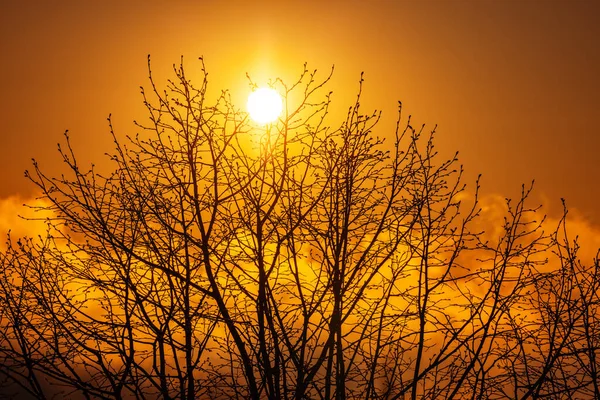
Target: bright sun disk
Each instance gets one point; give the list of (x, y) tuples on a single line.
[(264, 105)]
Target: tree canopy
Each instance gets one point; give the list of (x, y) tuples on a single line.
[(306, 258)]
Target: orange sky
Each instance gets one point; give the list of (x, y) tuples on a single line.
[(513, 85)]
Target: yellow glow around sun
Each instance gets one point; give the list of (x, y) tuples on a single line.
[(264, 105)]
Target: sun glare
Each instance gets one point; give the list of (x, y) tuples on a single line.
[(264, 105)]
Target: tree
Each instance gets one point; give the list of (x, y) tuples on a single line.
[(224, 259)]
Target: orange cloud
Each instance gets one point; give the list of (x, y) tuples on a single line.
[(20, 217), (587, 235)]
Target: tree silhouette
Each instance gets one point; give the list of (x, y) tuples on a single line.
[(223, 259)]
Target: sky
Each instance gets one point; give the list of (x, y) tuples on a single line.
[(512, 85)]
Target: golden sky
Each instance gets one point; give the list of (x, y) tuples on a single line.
[(512, 85)]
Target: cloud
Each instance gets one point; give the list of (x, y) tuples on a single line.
[(494, 209), (586, 234), (22, 217)]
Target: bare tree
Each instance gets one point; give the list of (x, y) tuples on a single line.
[(224, 259)]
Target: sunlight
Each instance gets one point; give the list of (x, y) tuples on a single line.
[(264, 105)]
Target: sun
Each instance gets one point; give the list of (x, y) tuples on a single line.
[(264, 105)]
